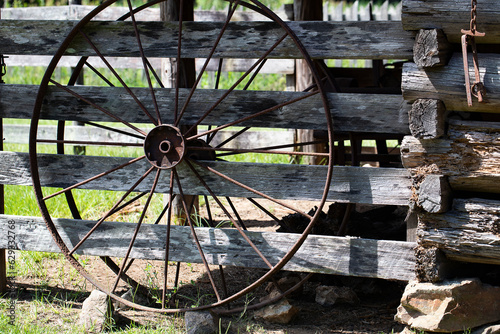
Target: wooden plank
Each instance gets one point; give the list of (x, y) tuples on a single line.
[(279, 66), (320, 254), (469, 233), (297, 182), (19, 134), (350, 112), (470, 157), (372, 40), (78, 12), (447, 83), (451, 16)]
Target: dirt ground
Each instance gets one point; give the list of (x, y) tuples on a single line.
[(372, 312)]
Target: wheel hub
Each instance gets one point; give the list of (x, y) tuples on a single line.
[(164, 146)]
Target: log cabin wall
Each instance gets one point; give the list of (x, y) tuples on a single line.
[(453, 152)]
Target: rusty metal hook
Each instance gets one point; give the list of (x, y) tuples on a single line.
[(468, 38)]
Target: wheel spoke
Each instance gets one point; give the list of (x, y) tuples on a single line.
[(99, 74), (254, 75), (167, 239), (233, 151), (127, 203), (94, 177), (138, 226), (178, 63), (86, 143), (204, 67), (230, 138), (114, 130), (75, 94), (261, 194), (228, 215), (257, 114), (233, 87), (195, 237), (118, 77), (231, 205), (144, 62), (110, 212), (254, 202)]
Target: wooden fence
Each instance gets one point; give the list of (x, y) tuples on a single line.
[(355, 112)]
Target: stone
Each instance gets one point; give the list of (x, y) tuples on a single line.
[(449, 306), (330, 295), (131, 297), (488, 329), (97, 312), (200, 322), (281, 312)]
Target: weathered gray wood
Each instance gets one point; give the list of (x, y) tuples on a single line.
[(72, 12), (311, 10), (431, 48), (350, 112), (447, 83), (432, 265), (411, 226), (470, 232), (349, 184), (427, 119), (434, 194), (451, 16), (19, 134), (320, 254), (470, 157), (280, 66), (373, 40)]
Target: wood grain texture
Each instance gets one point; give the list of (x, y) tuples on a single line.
[(350, 112), (470, 157), (427, 119), (447, 83), (470, 232), (431, 48), (451, 16), (77, 12), (320, 254), (340, 40), (19, 134), (299, 182)]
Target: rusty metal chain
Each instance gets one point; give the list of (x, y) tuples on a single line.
[(468, 38), (473, 16)]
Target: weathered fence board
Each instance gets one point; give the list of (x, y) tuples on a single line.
[(279, 66), (372, 40), (19, 134), (320, 254), (447, 83), (470, 232), (299, 182), (350, 112), (470, 157), (451, 16), (78, 12)]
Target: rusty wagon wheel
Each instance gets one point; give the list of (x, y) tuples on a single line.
[(168, 141)]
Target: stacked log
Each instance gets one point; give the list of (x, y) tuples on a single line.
[(453, 153)]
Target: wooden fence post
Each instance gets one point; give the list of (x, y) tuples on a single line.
[(311, 10), (170, 11)]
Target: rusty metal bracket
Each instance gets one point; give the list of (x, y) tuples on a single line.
[(468, 38)]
